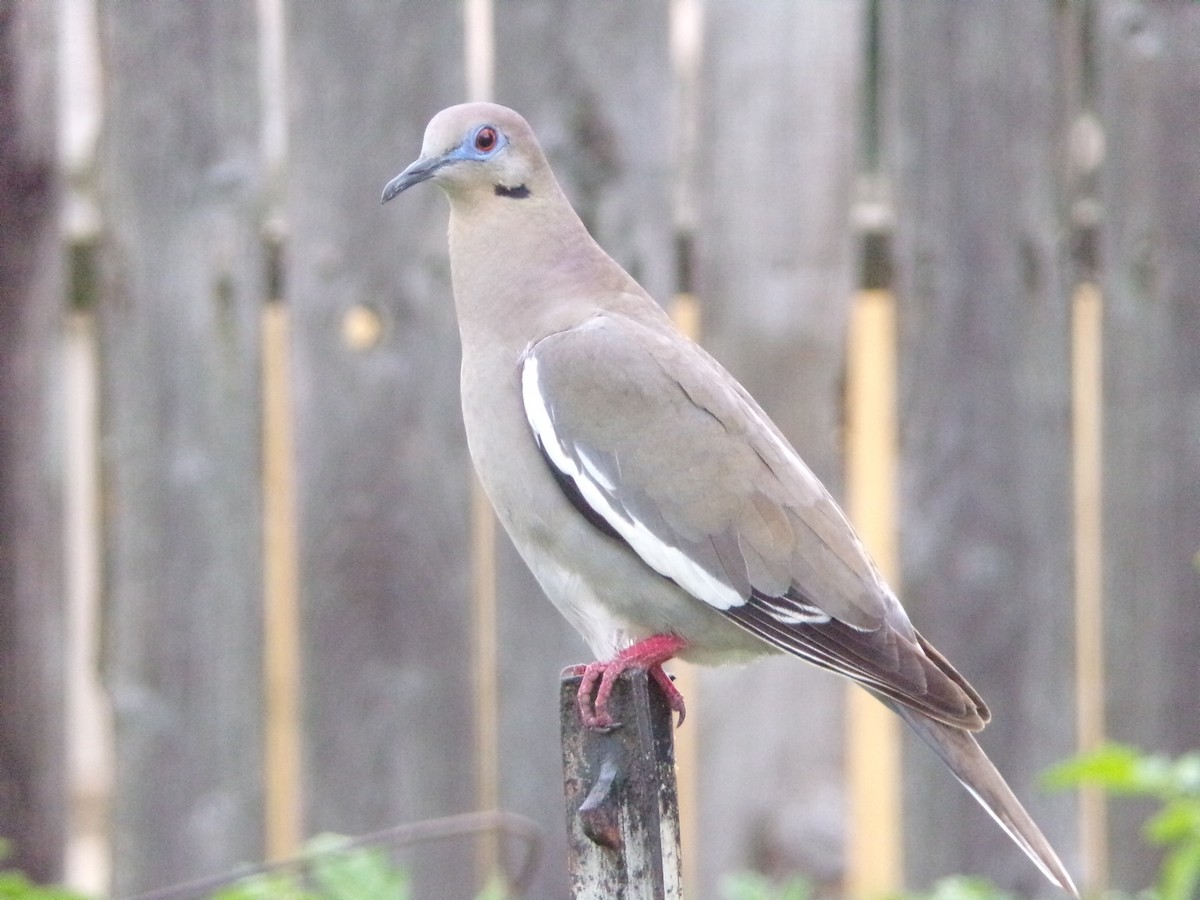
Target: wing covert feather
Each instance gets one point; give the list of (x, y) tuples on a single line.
[(673, 454), (675, 444)]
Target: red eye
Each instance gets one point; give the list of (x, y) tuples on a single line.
[(485, 139)]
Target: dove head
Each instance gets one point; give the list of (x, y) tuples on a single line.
[(474, 150)]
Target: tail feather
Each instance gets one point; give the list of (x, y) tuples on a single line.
[(959, 750)]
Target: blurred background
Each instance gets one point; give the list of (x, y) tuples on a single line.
[(248, 590)]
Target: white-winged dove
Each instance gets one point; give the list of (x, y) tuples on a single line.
[(658, 506)]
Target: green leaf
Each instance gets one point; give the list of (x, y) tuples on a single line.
[(338, 872), (269, 886), (1180, 878), (1174, 783), (362, 873), (16, 886), (1178, 821), (960, 888), (1124, 770), (755, 886), (1115, 767)]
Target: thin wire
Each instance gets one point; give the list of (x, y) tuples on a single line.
[(426, 831)]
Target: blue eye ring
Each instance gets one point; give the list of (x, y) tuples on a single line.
[(481, 143), (485, 140)]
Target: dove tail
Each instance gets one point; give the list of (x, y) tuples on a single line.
[(959, 750)]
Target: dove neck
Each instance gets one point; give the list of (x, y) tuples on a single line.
[(513, 259)]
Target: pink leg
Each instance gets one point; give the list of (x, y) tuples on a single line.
[(649, 654)]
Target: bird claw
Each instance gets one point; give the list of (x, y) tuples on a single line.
[(596, 684), (674, 698), (593, 710)]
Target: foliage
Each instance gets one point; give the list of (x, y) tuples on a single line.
[(960, 888), (330, 869), (267, 886), (1117, 769), (754, 886), (1174, 783), (16, 886), (337, 872)]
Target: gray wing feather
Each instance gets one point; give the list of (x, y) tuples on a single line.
[(677, 458)]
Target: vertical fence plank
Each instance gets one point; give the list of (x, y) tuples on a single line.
[(1149, 82), (383, 473), (774, 267), (594, 81), (32, 758), (976, 118), (183, 283)]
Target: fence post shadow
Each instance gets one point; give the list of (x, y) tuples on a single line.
[(622, 802)]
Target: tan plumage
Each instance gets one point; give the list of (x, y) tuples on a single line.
[(660, 509)]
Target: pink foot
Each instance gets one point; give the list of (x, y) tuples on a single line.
[(649, 654)]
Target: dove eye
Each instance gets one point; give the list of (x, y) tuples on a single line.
[(486, 139)]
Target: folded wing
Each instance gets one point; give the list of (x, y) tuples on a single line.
[(661, 448)]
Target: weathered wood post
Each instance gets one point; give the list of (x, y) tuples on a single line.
[(622, 803)]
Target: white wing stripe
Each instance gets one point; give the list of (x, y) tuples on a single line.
[(795, 615), (593, 470), (660, 556)]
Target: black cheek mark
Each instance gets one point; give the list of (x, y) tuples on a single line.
[(520, 192)]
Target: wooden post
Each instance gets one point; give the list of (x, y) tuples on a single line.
[(622, 804)]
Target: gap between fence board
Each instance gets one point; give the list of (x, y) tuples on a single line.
[(874, 862), (685, 312), (1086, 437), (281, 612)]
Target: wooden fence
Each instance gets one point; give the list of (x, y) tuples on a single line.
[(235, 502)]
